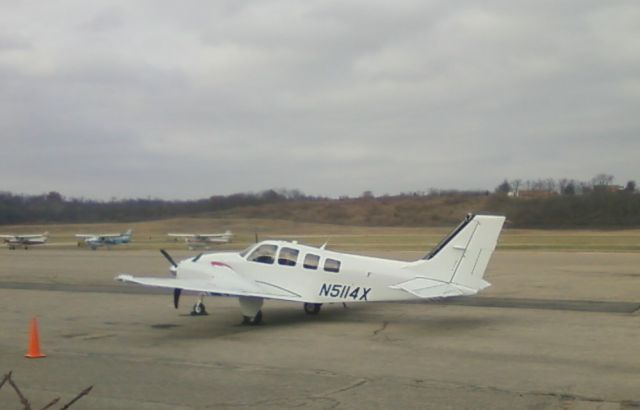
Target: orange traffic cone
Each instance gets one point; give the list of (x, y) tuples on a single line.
[(34, 342)]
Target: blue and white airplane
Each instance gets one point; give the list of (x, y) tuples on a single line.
[(96, 240), (313, 276)]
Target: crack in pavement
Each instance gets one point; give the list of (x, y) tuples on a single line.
[(327, 399), (382, 328), (560, 396), (352, 386)]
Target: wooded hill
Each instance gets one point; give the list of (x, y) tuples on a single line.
[(596, 209)]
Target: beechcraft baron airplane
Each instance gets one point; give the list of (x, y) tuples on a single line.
[(14, 241), (194, 240), (312, 276), (107, 239)]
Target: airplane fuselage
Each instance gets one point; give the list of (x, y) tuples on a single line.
[(97, 241), (358, 279), (26, 241)]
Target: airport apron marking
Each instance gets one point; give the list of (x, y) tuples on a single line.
[(335, 290)]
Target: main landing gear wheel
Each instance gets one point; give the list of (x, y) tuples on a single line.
[(312, 308), (199, 309), (251, 308), (252, 321)]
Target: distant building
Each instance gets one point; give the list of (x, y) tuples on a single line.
[(608, 188), (531, 194)]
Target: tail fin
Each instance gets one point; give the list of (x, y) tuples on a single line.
[(462, 257), (128, 232)]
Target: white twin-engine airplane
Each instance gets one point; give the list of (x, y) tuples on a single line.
[(290, 271), (194, 240), (13, 241)]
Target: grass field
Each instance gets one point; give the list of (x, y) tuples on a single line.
[(152, 235)]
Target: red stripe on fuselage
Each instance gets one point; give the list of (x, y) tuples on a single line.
[(220, 264)]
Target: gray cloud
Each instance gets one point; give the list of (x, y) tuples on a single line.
[(169, 100)]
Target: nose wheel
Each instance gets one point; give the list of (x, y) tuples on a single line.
[(198, 308)]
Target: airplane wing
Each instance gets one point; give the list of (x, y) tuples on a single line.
[(182, 235), (24, 236), (213, 235), (225, 281)]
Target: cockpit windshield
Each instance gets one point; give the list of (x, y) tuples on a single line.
[(246, 251), (265, 253)]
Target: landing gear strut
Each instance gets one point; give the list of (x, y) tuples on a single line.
[(250, 307), (312, 308), (256, 320)]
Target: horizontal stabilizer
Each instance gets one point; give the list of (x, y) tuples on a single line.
[(429, 289), (417, 284)]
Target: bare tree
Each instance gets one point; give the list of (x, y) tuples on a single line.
[(567, 186), (538, 185), (602, 180), (515, 186), (550, 185)]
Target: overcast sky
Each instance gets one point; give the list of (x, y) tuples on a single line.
[(188, 99)]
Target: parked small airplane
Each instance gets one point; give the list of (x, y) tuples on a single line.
[(14, 241), (107, 239), (194, 240), (293, 272)]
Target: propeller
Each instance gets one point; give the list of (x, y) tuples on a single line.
[(176, 297), (174, 268), (169, 258)]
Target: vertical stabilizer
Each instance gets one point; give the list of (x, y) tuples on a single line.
[(462, 257)]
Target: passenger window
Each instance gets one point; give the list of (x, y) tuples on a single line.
[(311, 261), (263, 254), (332, 265), (288, 256)]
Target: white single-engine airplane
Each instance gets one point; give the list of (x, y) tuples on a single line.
[(13, 241), (290, 271), (106, 239), (194, 240)]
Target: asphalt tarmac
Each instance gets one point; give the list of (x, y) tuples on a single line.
[(555, 331)]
